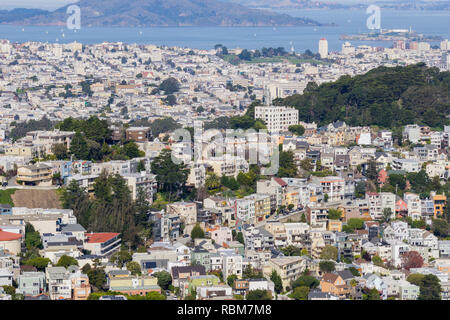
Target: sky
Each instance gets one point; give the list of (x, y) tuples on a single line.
[(35, 4), (55, 4)]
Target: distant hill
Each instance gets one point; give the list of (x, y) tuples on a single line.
[(387, 97), (289, 4), (146, 13)]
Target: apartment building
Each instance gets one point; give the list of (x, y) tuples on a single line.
[(277, 119)]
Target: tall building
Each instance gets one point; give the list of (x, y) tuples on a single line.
[(323, 48), (445, 45), (277, 118)]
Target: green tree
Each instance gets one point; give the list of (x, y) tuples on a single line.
[(170, 86), (305, 280), (300, 293), (297, 129), (121, 258), (259, 295), (230, 279), (329, 253), (197, 232), (327, 266), (440, 228), (32, 237), (430, 288), (276, 279), (79, 147), (38, 262), (164, 279), (171, 177), (66, 261), (134, 268), (334, 214)]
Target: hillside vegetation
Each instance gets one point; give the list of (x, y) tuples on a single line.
[(386, 97)]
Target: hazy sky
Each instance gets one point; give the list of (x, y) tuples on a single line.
[(41, 4), (55, 4)]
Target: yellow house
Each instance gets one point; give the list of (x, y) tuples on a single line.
[(335, 225), (439, 201), (36, 175)]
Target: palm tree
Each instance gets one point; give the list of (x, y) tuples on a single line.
[(212, 181)]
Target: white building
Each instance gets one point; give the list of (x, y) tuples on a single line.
[(277, 119)]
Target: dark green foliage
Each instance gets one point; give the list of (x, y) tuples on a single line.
[(164, 279), (259, 295), (327, 266), (66, 261), (22, 128), (308, 281), (276, 279), (291, 251), (170, 86), (32, 238), (297, 129), (171, 177), (430, 288), (197, 232), (387, 97)]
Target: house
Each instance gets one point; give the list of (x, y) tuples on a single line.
[(186, 272), (102, 244), (31, 283), (289, 268), (10, 241), (186, 210), (133, 285), (58, 283), (334, 284), (36, 175), (316, 294)]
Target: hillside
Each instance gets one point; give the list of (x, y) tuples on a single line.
[(33, 198), (147, 13), (387, 97)]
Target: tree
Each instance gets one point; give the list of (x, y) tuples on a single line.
[(66, 261), (411, 259), (291, 250), (353, 224), (97, 277), (170, 86), (415, 278), (153, 295), (230, 279), (354, 271), (430, 288), (276, 279), (387, 214), (240, 237), (171, 177), (38, 262), (327, 266), (131, 150), (164, 279), (60, 151), (307, 164), (197, 232), (372, 294), (334, 214), (329, 253), (79, 147), (134, 268), (141, 166), (305, 280), (32, 238), (440, 228), (212, 182), (297, 129), (376, 260), (300, 293), (121, 258), (259, 295), (372, 172)]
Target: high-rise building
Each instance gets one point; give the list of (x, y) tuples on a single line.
[(323, 48), (445, 45), (277, 118)]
